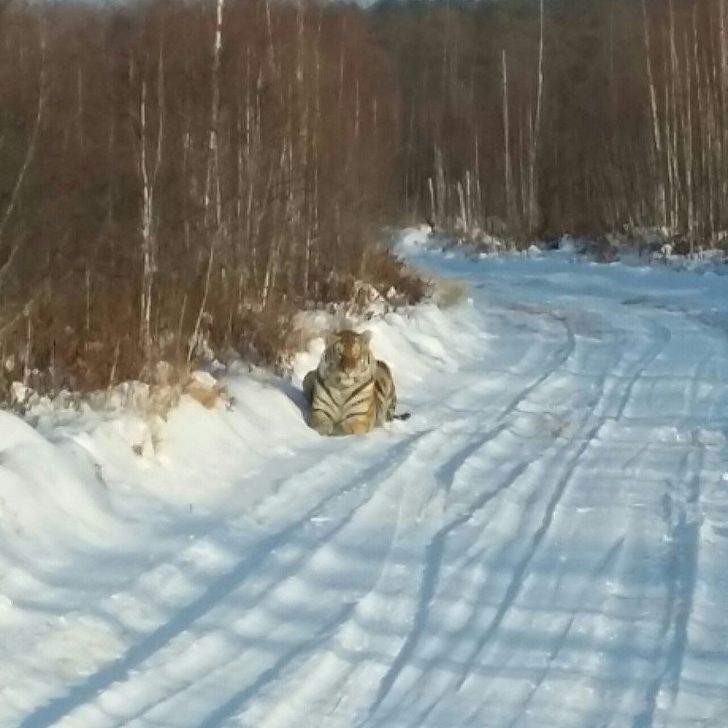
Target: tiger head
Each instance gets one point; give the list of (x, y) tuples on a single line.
[(348, 355)]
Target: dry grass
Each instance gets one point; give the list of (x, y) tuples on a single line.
[(84, 339)]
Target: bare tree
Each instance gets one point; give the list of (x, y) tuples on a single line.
[(212, 200), (508, 166), (533, 204), (149, 173), (29, 156)]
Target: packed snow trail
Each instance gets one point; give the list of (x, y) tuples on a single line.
[(542, 544)]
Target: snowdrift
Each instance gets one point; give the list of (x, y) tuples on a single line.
[(542, 544)]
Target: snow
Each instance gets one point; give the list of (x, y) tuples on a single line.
[(567, 244), (542, 544)]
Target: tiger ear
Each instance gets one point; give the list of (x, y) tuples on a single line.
[(366, 336)]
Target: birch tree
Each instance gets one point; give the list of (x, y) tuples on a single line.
[(150, 162)]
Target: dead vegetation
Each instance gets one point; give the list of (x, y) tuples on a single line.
[(178, 179)]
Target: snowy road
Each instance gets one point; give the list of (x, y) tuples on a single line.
[(544, 543)]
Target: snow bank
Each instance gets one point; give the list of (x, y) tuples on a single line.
[(95, 503), (542, 543), (412, 239)]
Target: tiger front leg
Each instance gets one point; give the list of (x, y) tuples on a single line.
[(321, 422), (355, 428), (359, 425)]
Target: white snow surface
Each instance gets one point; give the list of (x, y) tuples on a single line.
[(544, 543)]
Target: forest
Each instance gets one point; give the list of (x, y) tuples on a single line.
[(178, 177)]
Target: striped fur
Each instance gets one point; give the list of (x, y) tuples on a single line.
[(350, 392), (385, 393)]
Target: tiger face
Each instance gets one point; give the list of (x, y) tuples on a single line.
[(348, 354)]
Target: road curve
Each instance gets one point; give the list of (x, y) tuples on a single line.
[(542, 544)]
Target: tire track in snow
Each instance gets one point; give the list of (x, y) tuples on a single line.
[(660, 342), (343, 677), (433, 562), (121, 668), (566, 352), (687, 544), (434, 552), (681, 571), (561, 356), (625, 393), (427, 592), (235, 703), (664, 335), (446, 471), (609, 558), (462, 636), (520, 572), (308, 556)]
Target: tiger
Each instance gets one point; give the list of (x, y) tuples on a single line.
[(350, 392)]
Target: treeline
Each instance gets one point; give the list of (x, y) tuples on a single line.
[(570, 115), (178, 176)]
